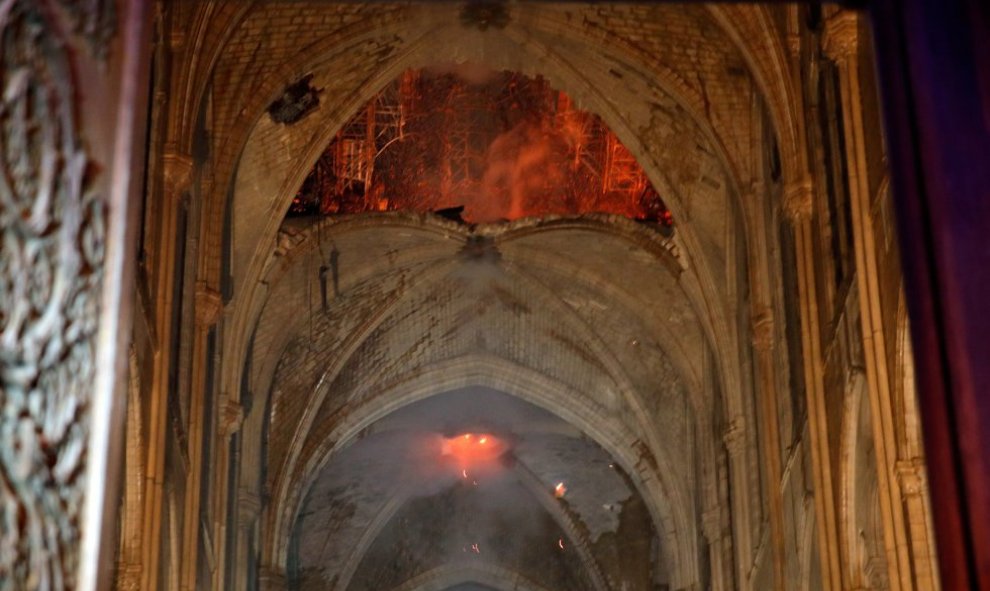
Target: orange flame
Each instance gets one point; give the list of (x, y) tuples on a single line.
[(506, 146), (473, 452)]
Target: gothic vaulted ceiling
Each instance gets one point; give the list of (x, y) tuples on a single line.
[(436, 401)]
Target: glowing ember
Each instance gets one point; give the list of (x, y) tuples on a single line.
[(505, 147), (560, 490), (560, 542)]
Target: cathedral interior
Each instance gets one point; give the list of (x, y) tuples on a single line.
[(455, 296)]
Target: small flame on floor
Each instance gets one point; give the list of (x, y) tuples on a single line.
[(560, 490), (475, 549), (560, 542)]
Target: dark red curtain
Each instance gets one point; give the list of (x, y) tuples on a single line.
[(934, 65)]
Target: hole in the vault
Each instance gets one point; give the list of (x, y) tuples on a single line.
[(478, 146)]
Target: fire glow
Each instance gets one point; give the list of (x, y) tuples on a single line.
[(473, 453), (503, 146)]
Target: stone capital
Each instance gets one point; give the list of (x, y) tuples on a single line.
[(911, 476), (798, 200), (209, 304), (231, 416), (176, 172), (734, 436), (840, 40), (763, 330)]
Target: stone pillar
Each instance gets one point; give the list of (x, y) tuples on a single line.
[(230, 418), (913, 482), (714, 527), (798, 207), (763, 333), (842, 44), (177, 177), (763, 344), (208, 306), (248, 511), (734, 439)]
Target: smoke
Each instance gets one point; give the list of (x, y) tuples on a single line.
[(459, 500), (522, 167)]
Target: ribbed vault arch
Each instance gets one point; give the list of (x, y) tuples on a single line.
[(317, 133), (698, 278)]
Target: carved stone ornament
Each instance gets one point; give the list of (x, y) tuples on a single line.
[(841, 38), (177, 171), (798, 200), (51, 267), (231, 416), (911, 476)]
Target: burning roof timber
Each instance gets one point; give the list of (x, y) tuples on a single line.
[(492, 146)]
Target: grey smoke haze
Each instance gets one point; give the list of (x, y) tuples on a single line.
[(400, 458)]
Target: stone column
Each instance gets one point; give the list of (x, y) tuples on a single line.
[(797, 206), (715, 529), (208, 305), (734, 439), (842, 44), (177, 178), (913, 482), (229, 421), (763, 344), (248, 511)]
